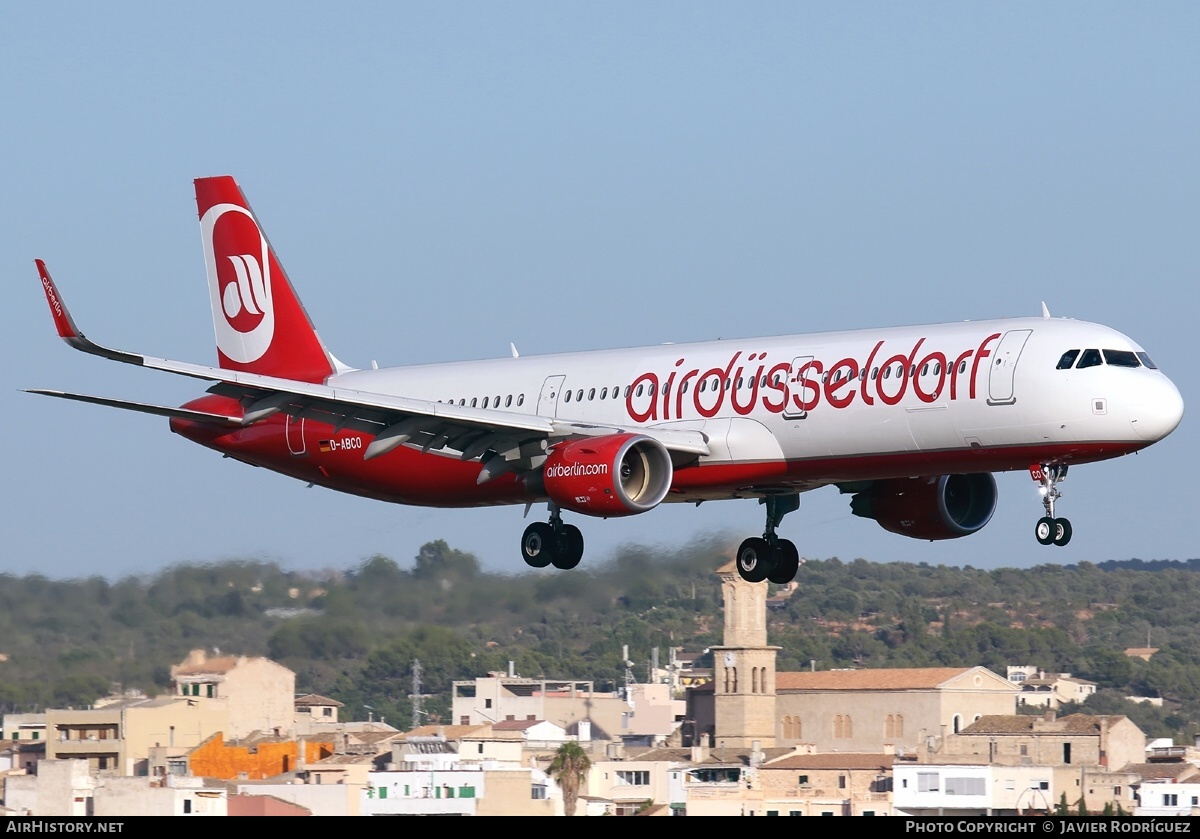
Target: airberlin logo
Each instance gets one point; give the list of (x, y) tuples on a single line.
[(753, 382), (239, 282), (573, 470)]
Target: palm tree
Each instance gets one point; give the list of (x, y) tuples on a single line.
[(569, 768)]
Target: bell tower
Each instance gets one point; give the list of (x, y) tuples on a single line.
[(744, 666)]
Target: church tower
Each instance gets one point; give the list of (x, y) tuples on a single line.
[(744, 667)]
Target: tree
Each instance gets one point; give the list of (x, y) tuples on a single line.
[(569, 768), (1061, 809)]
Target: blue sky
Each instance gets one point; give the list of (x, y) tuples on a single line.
[(441, 179)]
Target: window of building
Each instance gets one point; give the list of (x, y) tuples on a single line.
[(635, 778), (868, 812), (383, 792), (187, 805), (795, 813), (487, 703), (841, 781), (537, 792), (803, 780), (1066, 752), (1171, 799), (965, 786), (927, 782), (772, 812)]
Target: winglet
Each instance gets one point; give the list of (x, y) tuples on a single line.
[(65, 324), (63, 321)]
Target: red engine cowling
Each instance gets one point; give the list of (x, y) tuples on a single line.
[(616, 475), (943, 507)]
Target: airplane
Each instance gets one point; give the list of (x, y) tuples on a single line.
[(911, 422)]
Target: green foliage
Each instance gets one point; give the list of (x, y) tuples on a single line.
[(354, 635)]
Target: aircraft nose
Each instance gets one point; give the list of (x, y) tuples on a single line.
[(1160, 412)]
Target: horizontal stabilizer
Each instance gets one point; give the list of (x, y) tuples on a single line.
[(158, 410)]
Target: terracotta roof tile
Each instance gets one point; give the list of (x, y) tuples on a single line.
[(838, 760), (899, 678)]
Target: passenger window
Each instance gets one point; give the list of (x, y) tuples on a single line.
[(496, 402), (684, 389), (462, 402), (508, 401), (1089, 358), (1068, 360), (603, 393), (485, 401), (962, 368), (650, 390), (937, 368), (763, 383), (520, 399), (474, 402), (703, 385), (628, 388), (639, 390), (1120, 358), (567, 396), (875, 374), (887, 372), (579, 395), (728, 382), (1145, 359), (591, 394)]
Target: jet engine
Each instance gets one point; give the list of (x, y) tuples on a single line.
[(614, 475), (941, 507)]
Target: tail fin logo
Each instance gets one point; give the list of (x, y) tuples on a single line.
[(238, 263)]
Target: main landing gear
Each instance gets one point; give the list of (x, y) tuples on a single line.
[(770, 558), (1050, 530), (553, 543)]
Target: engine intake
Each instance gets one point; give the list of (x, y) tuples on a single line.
[(615, 475), (943, 507)]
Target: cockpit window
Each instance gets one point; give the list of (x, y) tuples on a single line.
[(1089, 358), (1121, 358), (1067, 360), (1145, 359)]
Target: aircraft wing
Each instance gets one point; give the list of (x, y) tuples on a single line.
[(503, 440)]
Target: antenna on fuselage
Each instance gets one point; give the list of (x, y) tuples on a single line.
[(1045, 311), (513, 347)]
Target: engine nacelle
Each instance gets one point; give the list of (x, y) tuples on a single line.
[(945, 507), (616, 475)]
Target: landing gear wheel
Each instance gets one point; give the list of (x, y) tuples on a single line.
[(787, 562), (537, 545), (570, 548), (1062, 532), (755, 559), (1045, 531)]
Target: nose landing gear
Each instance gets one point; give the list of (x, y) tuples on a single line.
[(1050, 530), (770, 558), (552, 543)]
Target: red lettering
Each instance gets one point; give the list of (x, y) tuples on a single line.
[(939, 366), (958, 365), (907, 361), (651, 412), (777, 380), (833, 384), (722, 376), (980, 355), (666, 392), (752, 386), (802, 379), (866, 392), (683, 386)]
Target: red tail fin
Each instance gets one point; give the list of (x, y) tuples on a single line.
[(260, 324)]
